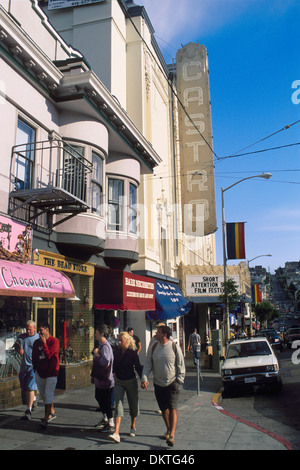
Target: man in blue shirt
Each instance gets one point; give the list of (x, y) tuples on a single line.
[(23, 346)]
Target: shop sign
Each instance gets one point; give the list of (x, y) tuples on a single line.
[(57, 4), (15, 240), (138, 292), (195, 137), (208, 285), (60, 263), (120, 290), (26, 280)]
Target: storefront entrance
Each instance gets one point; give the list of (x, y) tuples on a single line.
[(44, 312)]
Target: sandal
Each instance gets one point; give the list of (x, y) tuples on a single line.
[(51, 417), (44, 423), (171, 441), (166, 435)]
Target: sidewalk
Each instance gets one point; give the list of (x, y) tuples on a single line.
[(201, 426)]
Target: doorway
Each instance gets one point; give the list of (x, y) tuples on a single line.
[(44, 311)]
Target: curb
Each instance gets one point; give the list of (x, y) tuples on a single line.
[(215, 402)]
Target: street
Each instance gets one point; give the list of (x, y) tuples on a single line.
[(277, 413)]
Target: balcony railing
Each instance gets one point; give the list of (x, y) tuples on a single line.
[(48, 177)]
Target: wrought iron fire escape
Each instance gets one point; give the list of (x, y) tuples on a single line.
[(48, 179)]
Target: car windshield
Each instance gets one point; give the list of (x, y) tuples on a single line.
[(255, 348), (294, 331)]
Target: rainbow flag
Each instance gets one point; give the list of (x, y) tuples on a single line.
[(235, 236), (256, 294)]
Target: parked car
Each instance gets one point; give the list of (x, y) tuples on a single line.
[(293, 334), (250, 362), (274, 339)]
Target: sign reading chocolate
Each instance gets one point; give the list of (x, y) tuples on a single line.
[(26, 280), (30, 281)]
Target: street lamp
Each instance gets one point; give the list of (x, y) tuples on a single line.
[(259, 256), (262, 175)]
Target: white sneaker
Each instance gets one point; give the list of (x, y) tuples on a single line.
[(115, 437), (132, 432)]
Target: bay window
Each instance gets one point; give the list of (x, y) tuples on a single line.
[(97, 185), (115, 204), (132, 209)]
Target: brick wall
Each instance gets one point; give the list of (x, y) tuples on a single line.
[(71, 377), (10, 393), (74, 376)]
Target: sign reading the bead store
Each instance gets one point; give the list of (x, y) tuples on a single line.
[(61, 263), (195, 137), (57, 4)]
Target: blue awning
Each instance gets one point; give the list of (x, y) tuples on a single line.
[(169, 302)]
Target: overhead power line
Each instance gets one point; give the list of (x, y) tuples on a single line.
[(259, 151), (288, 126), (169, 84), (235, 155)]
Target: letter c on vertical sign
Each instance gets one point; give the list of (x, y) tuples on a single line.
[(190, 72)]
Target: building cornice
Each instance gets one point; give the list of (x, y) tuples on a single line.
[(87, 83), (67, 80), (25, 51)]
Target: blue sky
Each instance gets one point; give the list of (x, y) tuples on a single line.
[(254, 61)]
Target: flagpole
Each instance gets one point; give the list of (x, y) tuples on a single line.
[(226, 327), (226, 322)]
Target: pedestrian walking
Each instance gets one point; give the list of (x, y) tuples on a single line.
[(194, 341), (165, 361), (126, 365), (102, 378), (24, 346), (155, 340), (45, 361), (112, 339), (136, 339)]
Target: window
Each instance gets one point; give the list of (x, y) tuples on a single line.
[(97, 190), (115, 204), (132, 209), (24, 156), (74, 175)]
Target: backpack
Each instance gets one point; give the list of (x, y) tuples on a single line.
[(173, 346)]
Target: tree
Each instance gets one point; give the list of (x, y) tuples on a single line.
[(230, 298), (264, 311)]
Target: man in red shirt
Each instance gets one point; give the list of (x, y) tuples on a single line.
[(45, 360)]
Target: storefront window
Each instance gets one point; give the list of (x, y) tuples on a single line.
[(14, 313), (74, 322)]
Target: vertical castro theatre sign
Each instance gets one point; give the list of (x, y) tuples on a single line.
[(195, 136)]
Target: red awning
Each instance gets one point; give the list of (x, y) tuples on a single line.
[(27, 280), (110, 307), (119, 290)]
